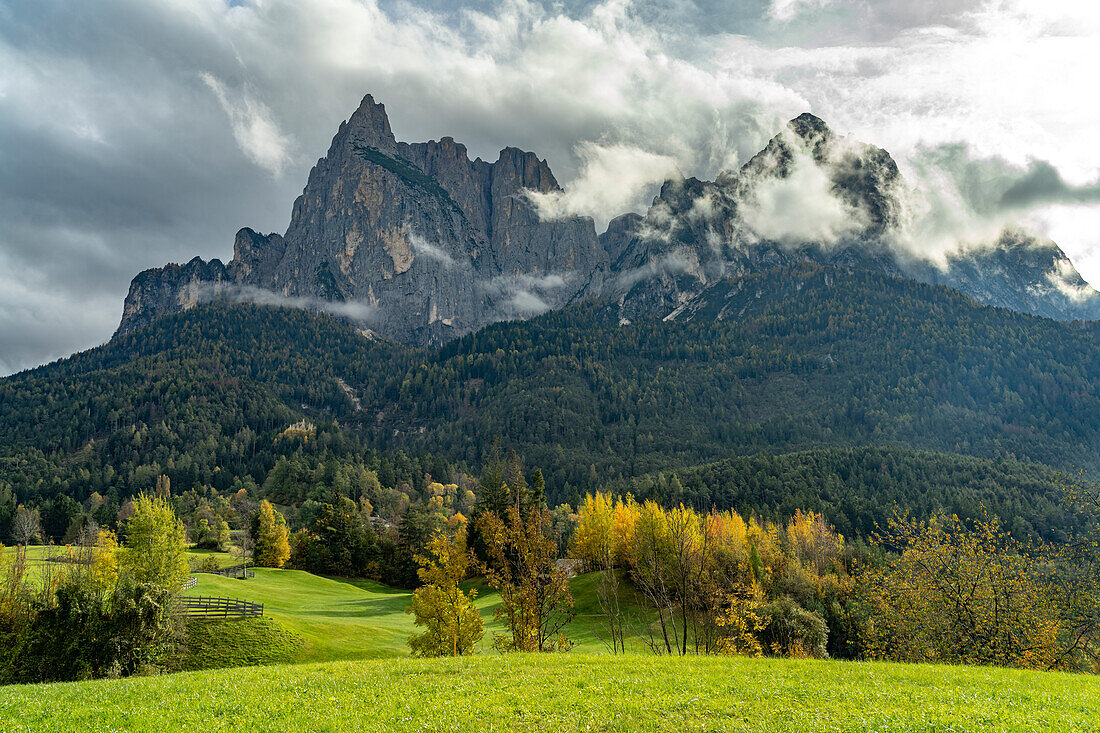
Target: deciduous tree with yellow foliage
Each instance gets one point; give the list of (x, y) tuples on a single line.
[(156, 545), (452, 625), (270, 540), (961, 592)]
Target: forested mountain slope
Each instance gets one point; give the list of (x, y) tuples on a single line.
[(816, 356), (204, 398)]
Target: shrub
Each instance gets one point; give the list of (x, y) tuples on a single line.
[(793, 631)]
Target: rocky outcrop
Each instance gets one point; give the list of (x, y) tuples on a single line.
[(169, 289), (432, 244), (424, 244)]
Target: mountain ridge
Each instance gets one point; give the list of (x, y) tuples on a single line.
[(424, 245)]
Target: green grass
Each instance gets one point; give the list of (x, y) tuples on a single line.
[(237, 643), (566, 693), (375, 686), (37, 554), (341, 619)]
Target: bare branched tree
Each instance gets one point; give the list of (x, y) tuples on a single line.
[(26, 526)]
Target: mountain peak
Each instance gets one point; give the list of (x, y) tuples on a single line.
[(814, 133), (370, 124), (808, 126)]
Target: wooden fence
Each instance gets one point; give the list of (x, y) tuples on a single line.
[(216, 607), (237, 571), (190, 582)]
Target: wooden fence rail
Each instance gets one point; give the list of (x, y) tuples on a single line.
[(237, 571), (217, 607)]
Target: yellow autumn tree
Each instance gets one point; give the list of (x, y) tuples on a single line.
[(105, 560), (960, 592), (156, 544), (452, 625), (592, 537), (270, 540)]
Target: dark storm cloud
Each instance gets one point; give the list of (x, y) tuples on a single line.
[(1043, 184), (139, 132)]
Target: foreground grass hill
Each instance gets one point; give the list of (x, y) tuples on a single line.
[(314, 619), (565, 693)]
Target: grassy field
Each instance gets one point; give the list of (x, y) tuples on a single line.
[(37, 554), (353, 672), (340, 619), (566, 693), (359, 619)]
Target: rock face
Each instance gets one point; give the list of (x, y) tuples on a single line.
[(431, 244), (812, 196), (425, 245)]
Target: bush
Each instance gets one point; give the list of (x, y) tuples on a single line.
[(85, 634), (793, 631)]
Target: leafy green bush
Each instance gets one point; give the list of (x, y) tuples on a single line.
[(82, 634), (792, 630)]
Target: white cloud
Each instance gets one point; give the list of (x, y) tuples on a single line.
[(674, 263), (784, 10), (527, 304), (253, 127), (425, 248), (525, 295), (1063, 278), (608, 91), (800, 207), (354, 310), (612, 180)]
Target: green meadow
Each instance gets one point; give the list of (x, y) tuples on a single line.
[(569, 692), (339, 619), (331, 655)]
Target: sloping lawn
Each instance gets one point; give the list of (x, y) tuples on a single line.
[(566, 693)]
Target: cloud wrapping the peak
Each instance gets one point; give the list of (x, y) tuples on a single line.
[(611, 180), (800, 207), (353, 310), (138, 132)]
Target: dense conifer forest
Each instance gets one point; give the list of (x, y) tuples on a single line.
[(965, 405)]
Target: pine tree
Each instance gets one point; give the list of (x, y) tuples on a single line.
[(493, 491), (537, 490)]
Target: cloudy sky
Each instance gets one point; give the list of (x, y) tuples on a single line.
[(139, 132)]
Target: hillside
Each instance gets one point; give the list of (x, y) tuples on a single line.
[(566, 693), (859, 489), (817, 358), (339, 619)]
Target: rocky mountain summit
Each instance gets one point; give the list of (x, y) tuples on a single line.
[(813, 196), (426, 243), (422, 244)]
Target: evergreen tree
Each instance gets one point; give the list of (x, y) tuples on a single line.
[(537, 489)]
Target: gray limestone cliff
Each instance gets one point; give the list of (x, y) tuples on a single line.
[(427, 243), (423, 245)]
